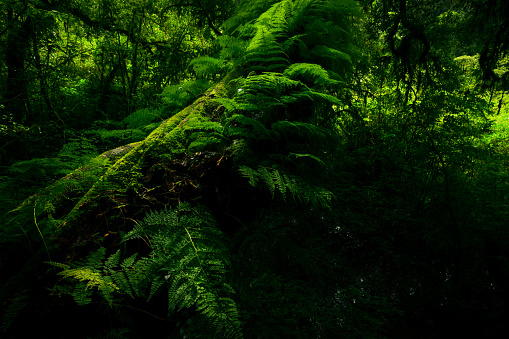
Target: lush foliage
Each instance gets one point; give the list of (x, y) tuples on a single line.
[(258, 169)]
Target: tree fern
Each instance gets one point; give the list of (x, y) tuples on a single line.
[(270, 127), (269, 94)]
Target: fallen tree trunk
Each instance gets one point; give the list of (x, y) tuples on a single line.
[(95, 203)]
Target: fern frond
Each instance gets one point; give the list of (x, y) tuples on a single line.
[(276, 18), (280, 182), (324, 97), (332, 58), (284, 182), (189, 254), (266, 177), (138, 232), (113, 260), (251, 174), (59, 265), (307, 155), (232, 47), (208, 66), (203, 134), (230, 105), (311, 74), (93, 279), (129, 261), (264, 46), (94, 260), (245, 127), (267, 91), (178, 96), (240, 150), (222, 313), (82, 294), (306, 131), (123, 282), (204, 142), (142, 117)]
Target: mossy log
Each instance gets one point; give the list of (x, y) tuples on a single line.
[(89, 207)]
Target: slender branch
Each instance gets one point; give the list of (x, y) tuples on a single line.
[(209, 20), (200, 6)]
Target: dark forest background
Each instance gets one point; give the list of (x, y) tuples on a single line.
[(258, 169)]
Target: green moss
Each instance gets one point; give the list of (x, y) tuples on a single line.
[(166, 141), (76, 212)]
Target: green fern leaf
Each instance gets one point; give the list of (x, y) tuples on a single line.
[(113, 260), (300, 190), (59, 265), (82, 294), (279, 182), (311, 74), (245, 127), (129, 261), (207, 66), (251, 174)]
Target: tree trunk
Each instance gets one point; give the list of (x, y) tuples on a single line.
[(18, 42), (42, 79)]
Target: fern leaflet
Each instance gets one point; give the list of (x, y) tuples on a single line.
[(284, 182)]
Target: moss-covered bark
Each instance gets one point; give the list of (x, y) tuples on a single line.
[(90, 206)]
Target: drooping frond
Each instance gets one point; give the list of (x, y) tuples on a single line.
[(178, 96), (307, 130), (203, 134), (333, 58), (267, 91), (90, 276), (311, 74), (242, 126), (265, 53), (283, 182), (232, 47), (142, 117), (275, 19), (208, 67)]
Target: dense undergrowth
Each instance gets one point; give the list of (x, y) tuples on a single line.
[(288, 191)]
